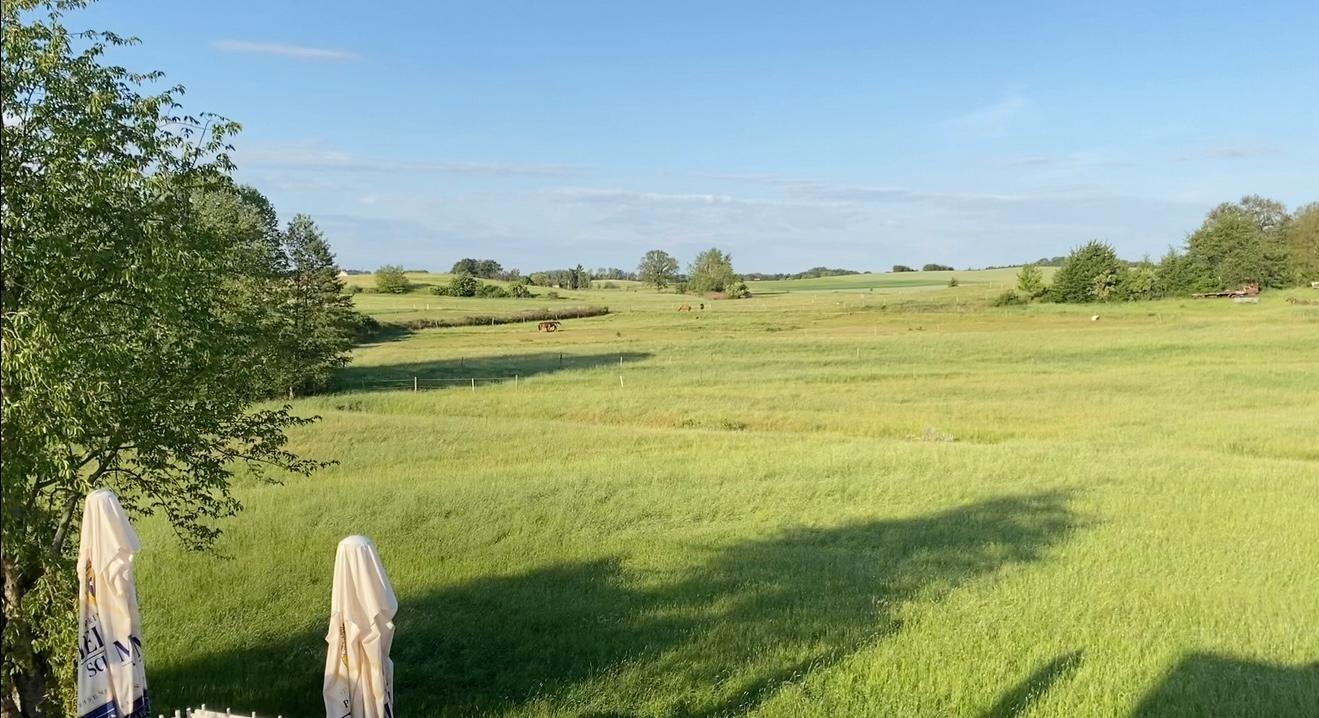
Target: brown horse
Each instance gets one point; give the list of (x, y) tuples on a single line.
[(685, 308), (548, 326)]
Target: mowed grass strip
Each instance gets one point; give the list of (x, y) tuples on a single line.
[(899, 502)]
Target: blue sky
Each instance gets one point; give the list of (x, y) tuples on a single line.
[(543, 134)]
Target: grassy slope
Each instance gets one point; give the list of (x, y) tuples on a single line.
[(763, 518)]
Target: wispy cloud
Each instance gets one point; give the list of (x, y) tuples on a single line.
[(593, 195), (298, 52), (1228, 152), (313, 156), (993, 120)]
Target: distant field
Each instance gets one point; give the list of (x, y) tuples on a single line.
[(821, 501)]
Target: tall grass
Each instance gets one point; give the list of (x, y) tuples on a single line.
[(891, 502)]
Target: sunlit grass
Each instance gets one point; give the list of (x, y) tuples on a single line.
[(833, 502)]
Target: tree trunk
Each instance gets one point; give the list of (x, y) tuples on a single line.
[(25, 694)]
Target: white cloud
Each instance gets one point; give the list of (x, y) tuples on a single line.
[(298, 52)]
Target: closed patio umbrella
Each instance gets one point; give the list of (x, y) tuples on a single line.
[(359, 677), (112, 681)]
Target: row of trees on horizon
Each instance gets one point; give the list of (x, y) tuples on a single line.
[(1253, 240)]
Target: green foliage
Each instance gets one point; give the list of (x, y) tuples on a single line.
[(902, 268), (936, 268), (1137, 283), (1030, 281), (320, 317), (658, 268), (1303, 245), (1009, 298), (1089, 274), (460, 285), (492, 291), (128, 362), (1240, 244), (390, 279), (738, 290), (1178, 275), (711, 271), (483, 268), (520, 291), (952, 281)]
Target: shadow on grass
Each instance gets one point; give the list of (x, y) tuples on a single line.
[(1206, 684), (1023, 695), (590, 639), (445, 373)]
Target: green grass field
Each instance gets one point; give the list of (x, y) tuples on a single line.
[(854, 496)]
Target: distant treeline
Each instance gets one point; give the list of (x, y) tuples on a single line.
[(812, 273)]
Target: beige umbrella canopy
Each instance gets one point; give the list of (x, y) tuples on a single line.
[(112, 681), (359, 677)]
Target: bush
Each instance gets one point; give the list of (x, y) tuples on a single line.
[(1008, 299), (1089, 274), (353, 289), (1138, 283), (739, 291), (520, 291), (390, 279), (952, 281), (936, 268), (1030, 281), (902, 268), (552, 295), (492, 291), (680, 287)]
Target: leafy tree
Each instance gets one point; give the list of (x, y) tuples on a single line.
[(1230, 250), (1269, 216), (321, 315), (520, 291), (1089, 274), (936, 268), (466, 265), (123, 366), (1303, 244), (1138, 283), (902, 268), (711, 271), (390, 279), (1030, 281), (952, 281), (658, 268)]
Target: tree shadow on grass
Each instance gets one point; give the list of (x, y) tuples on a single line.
[(1023, 695), (452, 373), (1205, 684), (588, 639)]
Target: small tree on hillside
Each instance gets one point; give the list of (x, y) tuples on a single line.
[(1030, 281), (711, 271), (390, 279), (902, 268), (658, 268), (1090, 273)]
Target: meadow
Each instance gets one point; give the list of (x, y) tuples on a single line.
[(854, 496)]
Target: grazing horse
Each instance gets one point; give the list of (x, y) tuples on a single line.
[(548, 326), (685, 308)]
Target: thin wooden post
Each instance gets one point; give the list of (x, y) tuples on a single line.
[(414, 383), (620, 381), (473, 384), (515, 381)]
